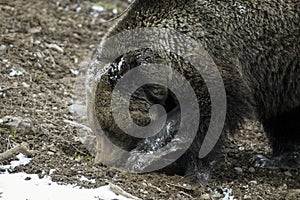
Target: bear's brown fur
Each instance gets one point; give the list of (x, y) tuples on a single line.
[(255, 45)]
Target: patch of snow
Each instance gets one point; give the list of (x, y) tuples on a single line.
[(14, 72), (28, 186), (121, 63), (227, 192), (74, 72), (31, 187), (52, 171), (83, 178), (22, 160)]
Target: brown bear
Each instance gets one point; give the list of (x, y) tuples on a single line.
[(255, 46)]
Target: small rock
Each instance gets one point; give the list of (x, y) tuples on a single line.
[(74, 72), (78, 9), (35, 30), (146, 192), (253, 182), (75, 61), (55, 47), (79, 110), (50, 153), (251, 169), (247, 197), (3, 49), (37, 42), (205, 197), (283, 187), (98, 8), (2, 94), (115, 11), (40, 55), (241, 148), (238, 170), (25, 85), (217, 196), (85, 135), (287, 173)]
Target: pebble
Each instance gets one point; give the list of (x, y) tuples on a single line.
[(287, 173), (55, 47), (77, 109), (115, 11), (217, 196), (238, 170), (251, 169), (78, 9), (25, 85), (50, 153), (98, 8), (35, 30), (75, 61), (205, 197), (85, 135), (241, 148), (146, 192), (40, 55), (247, 197), (3, 49), (37, 42)]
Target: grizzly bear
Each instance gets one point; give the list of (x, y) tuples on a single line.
[(255, 47)]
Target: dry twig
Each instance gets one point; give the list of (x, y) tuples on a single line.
[(21, 148), (116, 189)]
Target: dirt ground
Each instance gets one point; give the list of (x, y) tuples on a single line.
[(43, 47)]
